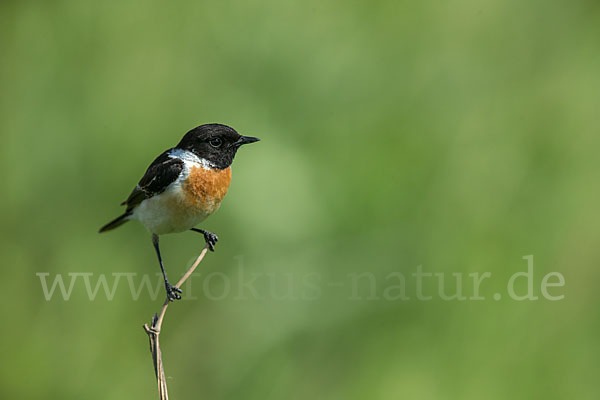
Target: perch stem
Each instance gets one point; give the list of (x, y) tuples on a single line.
[(153, 331)]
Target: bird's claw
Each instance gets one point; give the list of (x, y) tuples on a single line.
[(172, 292), (211, 240)]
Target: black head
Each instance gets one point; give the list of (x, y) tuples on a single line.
[(215, 143)]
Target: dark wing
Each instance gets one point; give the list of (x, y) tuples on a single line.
[(160, 174)]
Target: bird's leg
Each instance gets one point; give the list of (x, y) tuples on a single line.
[(210, 238), (172, 291)]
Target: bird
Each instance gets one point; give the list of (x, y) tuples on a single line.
[(183, 186)]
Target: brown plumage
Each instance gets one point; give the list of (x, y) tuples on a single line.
[(205, 189)]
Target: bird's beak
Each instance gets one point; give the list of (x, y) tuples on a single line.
[(247, 140)]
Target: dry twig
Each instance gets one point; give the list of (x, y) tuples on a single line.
[(153, 332)]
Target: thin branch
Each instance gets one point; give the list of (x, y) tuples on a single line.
[(153, 332)]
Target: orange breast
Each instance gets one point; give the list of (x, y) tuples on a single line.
[(205, 189)]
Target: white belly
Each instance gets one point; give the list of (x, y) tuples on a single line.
[(168, 212)]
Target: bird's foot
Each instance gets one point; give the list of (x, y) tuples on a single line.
[(172, 292), (211, 240)]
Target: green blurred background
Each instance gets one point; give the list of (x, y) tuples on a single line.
[(459, 135)]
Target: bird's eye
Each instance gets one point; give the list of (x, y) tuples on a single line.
[(215, 142)]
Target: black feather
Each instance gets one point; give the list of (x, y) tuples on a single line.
[(116, 222), (159, 175)]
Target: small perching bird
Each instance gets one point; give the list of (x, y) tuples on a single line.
[(183, 186)]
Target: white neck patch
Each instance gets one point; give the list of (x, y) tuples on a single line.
[(190, 159)]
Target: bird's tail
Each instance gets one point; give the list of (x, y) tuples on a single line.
[(116, 222)]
